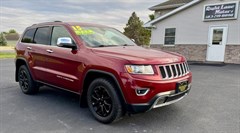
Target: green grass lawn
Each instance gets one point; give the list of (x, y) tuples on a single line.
[(7, 55)]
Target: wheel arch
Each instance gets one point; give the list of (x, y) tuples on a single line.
[(94, 74), (20, 61)]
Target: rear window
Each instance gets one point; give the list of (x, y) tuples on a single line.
[(28, 36), (42, 36)]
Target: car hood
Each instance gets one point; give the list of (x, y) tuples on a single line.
[(139, 55)]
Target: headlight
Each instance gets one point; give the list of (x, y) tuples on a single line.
[(139, 69)]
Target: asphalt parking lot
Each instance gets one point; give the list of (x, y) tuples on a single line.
[(213, 105)]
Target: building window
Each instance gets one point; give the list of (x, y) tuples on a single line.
[(169, 36), (217, 37)]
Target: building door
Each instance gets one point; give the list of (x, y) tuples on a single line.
[(217, 43)]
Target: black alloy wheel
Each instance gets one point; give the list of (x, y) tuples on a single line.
[(103, 101), (23, 80), (26, 83)]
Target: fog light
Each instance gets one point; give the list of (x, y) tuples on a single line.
[(142, 91)]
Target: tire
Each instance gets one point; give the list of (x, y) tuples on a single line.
[(103, 101), (26, 83)]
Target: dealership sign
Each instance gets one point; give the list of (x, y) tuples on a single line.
[(221, 11)]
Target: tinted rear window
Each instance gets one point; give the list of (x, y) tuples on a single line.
[(42, 36), (28, 36)]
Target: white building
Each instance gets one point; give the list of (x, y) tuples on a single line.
[(201, 30)]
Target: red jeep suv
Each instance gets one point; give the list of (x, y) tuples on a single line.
[(110, 73)]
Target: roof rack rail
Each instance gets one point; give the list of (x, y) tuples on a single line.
[(57, 21)]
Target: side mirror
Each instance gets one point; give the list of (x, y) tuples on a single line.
[(66, 42), (133, 40)]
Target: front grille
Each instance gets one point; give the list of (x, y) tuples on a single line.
[(174, 70)]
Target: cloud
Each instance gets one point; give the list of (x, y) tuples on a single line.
[(21, 14)]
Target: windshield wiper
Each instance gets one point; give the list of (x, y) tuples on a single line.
[(127, 45), (106, 46), (101, 46), (112, 45)]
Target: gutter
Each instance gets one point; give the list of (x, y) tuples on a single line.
[(150, 24), (166, 7)]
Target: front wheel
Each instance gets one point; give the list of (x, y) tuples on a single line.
[(27, 84), (103, 101)]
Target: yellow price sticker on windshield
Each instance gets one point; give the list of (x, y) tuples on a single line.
[(79, 31)]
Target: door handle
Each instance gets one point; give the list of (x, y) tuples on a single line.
[(49, 51), (29, 48)]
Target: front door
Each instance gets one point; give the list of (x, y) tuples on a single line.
[(63, 64), (217, 43)]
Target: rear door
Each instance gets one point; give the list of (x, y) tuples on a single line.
[(38, 52), (63, 65), (33, 53)]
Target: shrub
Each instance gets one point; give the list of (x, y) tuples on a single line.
[(3, 41)]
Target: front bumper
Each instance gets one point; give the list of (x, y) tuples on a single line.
[(161, 99)]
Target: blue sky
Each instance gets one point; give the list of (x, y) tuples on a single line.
[(18, 14)]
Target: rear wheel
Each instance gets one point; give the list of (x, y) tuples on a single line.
[(26, 83), (103, 101)]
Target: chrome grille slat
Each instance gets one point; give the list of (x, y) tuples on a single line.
[(183, 73), (171, 71), (162, 71), (184, 70), (165, 70), (180, 69), (185, 65), (174, 70)]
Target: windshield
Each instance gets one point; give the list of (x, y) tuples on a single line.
[(102, 36)]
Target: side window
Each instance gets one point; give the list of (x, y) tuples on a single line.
[(28, 36), (57, 32), (170, 36), (42, 36)]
